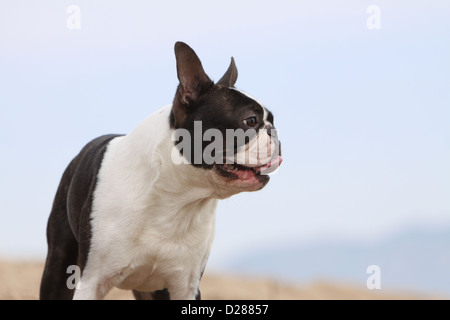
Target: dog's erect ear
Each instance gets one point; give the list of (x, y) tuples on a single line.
[(193, 78), (230, 77)]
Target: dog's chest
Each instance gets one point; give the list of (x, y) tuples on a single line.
[(157, 241), (170, 249)]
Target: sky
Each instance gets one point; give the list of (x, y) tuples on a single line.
[(363, 114)]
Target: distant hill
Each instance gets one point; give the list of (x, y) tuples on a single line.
[(415, 260)]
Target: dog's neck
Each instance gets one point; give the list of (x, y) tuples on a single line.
[(148, 150)]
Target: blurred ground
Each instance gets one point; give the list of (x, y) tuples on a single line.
[(20, 280)]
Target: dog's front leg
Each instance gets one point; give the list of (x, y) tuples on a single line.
[(94, 288), (181, 288), (184, 294)]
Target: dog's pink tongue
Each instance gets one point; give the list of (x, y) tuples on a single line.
[(245, 174)]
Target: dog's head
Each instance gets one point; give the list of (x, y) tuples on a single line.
[(220, 128)]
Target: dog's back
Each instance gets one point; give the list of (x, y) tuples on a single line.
[(65, 228)]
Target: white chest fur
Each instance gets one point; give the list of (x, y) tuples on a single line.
[(152, 224)]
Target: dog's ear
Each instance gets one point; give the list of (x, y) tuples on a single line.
[(193, 79), (230, 77)]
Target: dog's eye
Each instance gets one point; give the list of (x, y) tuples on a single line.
[(251, 122)]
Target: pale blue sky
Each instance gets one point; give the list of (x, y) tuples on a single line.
[(363, 114)]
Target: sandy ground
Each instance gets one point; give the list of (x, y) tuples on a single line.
[(20, 280)]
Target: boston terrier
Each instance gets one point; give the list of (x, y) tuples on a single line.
[(137, 211)]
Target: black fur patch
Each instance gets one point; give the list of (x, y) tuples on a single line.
[(69, 225), (220, 108)]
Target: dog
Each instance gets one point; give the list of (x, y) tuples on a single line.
[(137, 211)]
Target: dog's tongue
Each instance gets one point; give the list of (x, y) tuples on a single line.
[(270, 167), (245, 174)]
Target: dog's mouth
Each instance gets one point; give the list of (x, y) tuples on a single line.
[(248, 174)]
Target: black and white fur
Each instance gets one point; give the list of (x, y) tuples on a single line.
[(131, 218)]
